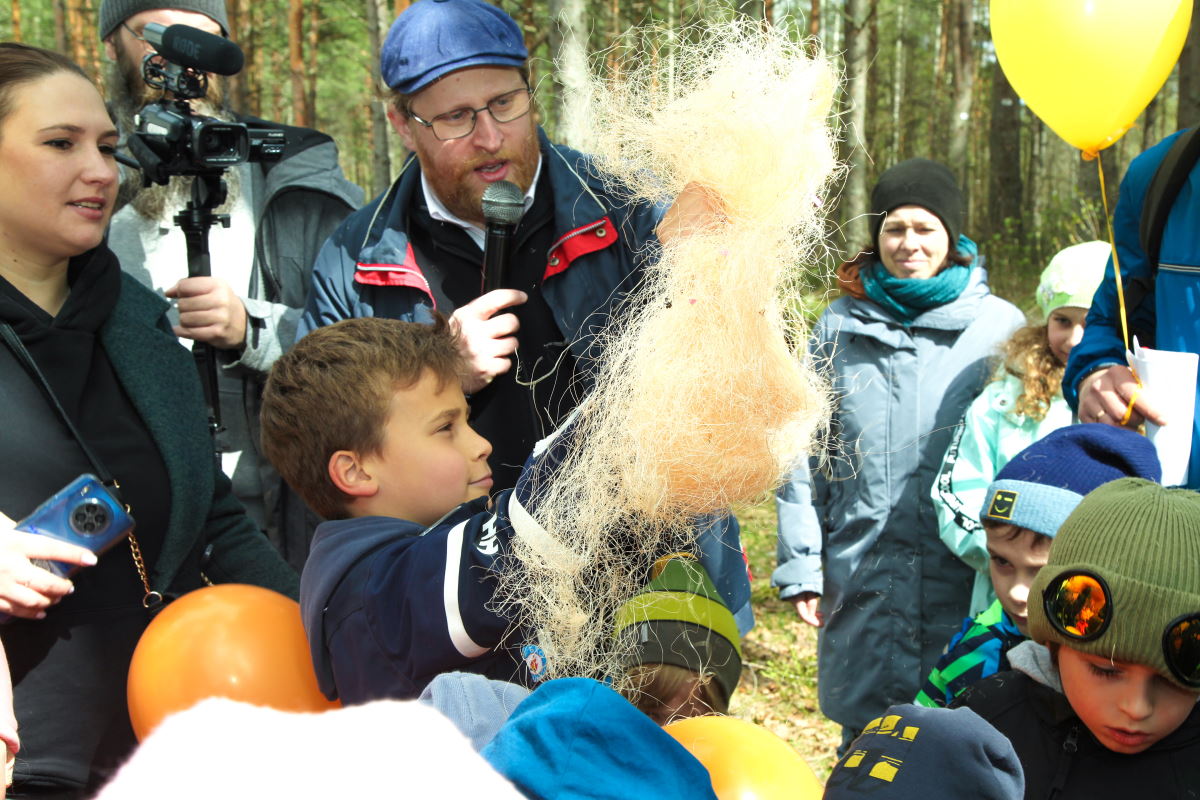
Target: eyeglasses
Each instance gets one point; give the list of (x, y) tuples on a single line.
[(1079, 606), (461, 121), (136, 35)]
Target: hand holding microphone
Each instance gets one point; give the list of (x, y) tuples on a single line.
[(486, 337), (503, 205)]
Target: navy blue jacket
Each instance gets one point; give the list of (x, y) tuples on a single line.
[(388, 605), (368, 268)]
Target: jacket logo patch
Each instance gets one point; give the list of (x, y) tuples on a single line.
[(487, 543), (878, 755), (1003, 504), (535, 661)]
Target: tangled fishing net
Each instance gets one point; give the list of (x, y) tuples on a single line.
[(699, 402)]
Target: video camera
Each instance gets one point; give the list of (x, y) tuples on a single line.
[(173, 140)]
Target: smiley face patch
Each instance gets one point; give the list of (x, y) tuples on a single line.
[(1003, 503)]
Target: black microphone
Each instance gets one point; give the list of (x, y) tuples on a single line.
[(503, 205), (194, 48)]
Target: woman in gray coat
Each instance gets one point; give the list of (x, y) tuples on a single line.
[(907, 348)]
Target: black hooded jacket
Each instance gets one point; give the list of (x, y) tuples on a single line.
[(1064, 761)]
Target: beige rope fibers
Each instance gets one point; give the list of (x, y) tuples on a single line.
[(699, 402)]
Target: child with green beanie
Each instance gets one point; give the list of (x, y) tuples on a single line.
[(685, 655), (1022, 404), (1103, 701), (1027, 502)]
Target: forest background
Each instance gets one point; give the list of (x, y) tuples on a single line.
[(920, 78)]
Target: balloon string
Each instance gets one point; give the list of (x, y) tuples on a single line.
[(1116, 260), (1112, 239)]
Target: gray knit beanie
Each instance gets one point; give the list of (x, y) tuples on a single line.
[(1144, 541), (114, 12)]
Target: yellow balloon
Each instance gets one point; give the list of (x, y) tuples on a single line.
[(1089, 67), (746, 762)]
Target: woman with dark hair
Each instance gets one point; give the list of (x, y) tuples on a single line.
[(92, 380), (906, 349)]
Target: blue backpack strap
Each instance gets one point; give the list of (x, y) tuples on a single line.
[(1168, 180)]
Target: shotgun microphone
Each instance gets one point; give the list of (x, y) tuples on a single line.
[(194, 48), (503, 205)]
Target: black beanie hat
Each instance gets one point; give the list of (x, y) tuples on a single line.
[(918, 182), (114, 12)]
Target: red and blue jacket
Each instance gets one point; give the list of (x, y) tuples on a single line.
[(367, 268)]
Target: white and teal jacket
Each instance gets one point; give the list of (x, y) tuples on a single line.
[(990, 434)]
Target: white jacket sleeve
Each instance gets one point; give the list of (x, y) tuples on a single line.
[(968, 468)]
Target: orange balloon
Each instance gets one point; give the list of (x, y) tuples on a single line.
[(745, 761), (237, 641)]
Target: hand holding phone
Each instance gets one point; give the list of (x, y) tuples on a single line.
[(62, 535)]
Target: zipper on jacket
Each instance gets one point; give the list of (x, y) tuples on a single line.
[(1070, 747), (580, 231)]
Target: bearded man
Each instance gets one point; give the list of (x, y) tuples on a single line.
[(462, 104), (281, 212)]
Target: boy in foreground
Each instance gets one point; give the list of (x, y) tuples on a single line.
[(1108, 707), (1031, 496), (366, 420), (684, 655)]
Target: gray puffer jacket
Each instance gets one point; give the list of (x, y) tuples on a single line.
[(856, 524)]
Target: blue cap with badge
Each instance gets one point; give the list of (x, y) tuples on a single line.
[(433, 38)]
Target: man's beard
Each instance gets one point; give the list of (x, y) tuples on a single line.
[(128, 94), (464, 198)]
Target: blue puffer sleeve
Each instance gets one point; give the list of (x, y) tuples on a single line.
[(799, 546), (1102, 342)]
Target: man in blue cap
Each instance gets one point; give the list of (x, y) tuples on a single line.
[(462, 104)]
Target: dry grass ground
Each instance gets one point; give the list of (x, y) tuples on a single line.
[(779, 679)]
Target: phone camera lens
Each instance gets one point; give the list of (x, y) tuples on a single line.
[(89, 518)]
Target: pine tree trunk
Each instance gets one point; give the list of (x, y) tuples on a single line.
[(854, 198), (16, 21), (1004, 147), (300, 115), (570, 55), (381, 162), (964, 83), (310, 67), (60, 25), (1188, 113), (236, 84)]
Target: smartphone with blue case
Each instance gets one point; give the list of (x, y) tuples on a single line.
[(83, 513)]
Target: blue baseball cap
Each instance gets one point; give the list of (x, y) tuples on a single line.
[(435, 37)]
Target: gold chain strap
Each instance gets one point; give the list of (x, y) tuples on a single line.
[(152, 598)]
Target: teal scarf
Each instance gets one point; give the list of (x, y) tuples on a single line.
[(906, 298)]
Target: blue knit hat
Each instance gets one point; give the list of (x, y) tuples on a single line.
[(1043, 483), (435, 37)]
